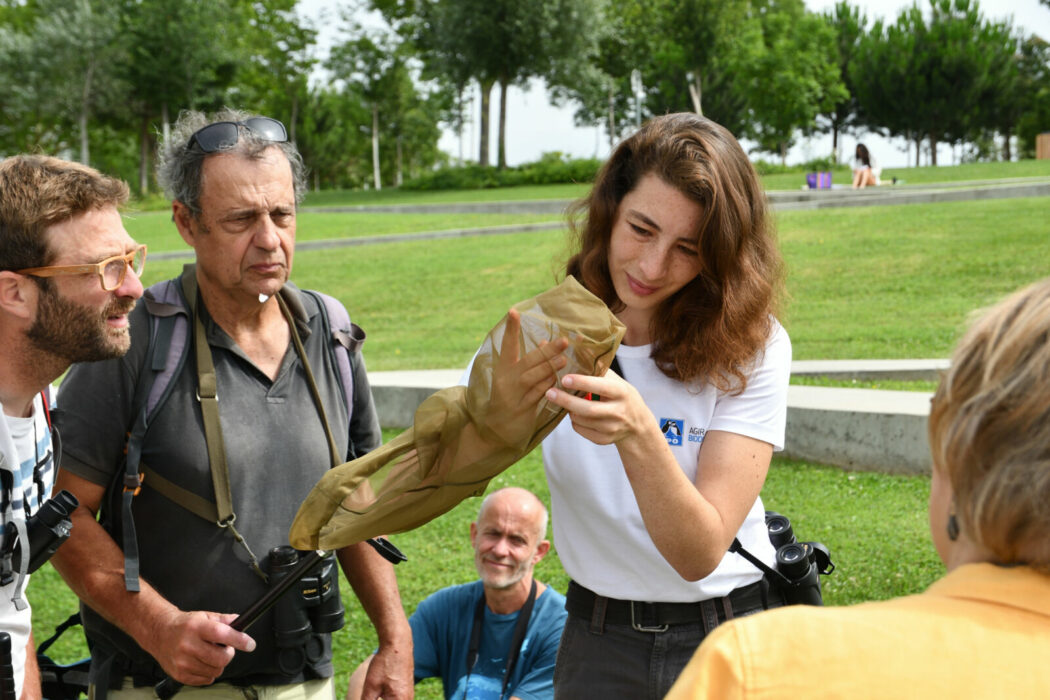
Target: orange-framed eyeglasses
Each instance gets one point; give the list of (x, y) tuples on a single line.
[(111, 271)]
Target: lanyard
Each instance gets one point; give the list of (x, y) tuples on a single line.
[(520, 627)]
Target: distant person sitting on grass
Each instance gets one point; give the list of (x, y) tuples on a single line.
[(498, 637), (983, 630), (865, 172)]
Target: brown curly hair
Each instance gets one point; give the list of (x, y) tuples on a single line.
[(715, 326)]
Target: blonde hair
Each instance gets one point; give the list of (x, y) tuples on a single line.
[(990, 428)]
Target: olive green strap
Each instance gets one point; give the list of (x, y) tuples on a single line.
[(332, 448), (207, 394), (186, 499)]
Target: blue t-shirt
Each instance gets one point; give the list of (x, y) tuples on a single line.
[(441, 627)]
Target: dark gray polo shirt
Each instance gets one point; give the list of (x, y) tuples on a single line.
[(276, 450)]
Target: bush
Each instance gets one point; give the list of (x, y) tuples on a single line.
[(551, 168)]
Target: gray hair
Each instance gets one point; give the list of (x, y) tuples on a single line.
[(179, 167)]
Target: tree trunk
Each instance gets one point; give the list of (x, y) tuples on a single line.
[(783, 153), (375, 147), (144, 155), (693, 79), (612, 117), (1007, 155), (295, 118), (82, 119), (83, 123), (835, 143), (399, 175), (165, 123), (933, 150), (918, 150), (502, 146), (483, 151)]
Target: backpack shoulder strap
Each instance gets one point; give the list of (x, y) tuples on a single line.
[(347, 339), (165, 358)]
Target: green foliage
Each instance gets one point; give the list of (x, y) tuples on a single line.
[(946, 77), (552, 168), (798, 81), (849, 24), (1035, 87)]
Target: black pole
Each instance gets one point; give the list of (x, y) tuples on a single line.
[(169, 686)]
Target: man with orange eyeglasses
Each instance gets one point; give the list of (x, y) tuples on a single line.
[(65, 295)]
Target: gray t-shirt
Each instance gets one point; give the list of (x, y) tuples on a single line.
[(276, 450)]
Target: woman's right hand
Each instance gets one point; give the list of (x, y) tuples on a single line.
[(519, 383)]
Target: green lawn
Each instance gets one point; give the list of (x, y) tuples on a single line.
[(926, 175), (780, 181), (156, 230), (878, 282)]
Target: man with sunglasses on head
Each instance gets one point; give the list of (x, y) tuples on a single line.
[(65, 295), (259, 354)]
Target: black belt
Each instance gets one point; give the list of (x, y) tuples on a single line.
[(656, 617)]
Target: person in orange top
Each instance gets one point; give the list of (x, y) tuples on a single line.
[(983, 630)]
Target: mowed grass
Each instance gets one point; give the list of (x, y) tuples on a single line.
[(871, 282), (926, 175), (156, 230)]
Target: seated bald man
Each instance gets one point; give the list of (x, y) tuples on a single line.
[(496, 637)]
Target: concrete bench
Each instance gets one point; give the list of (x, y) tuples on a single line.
[(859, 429)]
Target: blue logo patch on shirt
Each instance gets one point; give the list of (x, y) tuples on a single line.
[(672, 430)]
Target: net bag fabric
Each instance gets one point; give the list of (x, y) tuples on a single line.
[(454, 447)]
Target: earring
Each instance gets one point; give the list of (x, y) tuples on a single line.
[(953, 528)]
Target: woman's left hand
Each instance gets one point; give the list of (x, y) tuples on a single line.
[(614, 412)]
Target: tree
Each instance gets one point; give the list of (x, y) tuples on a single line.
[(849, 25), (59, 67), (694, 55), (1034, 67), (936, 78), (197, 64), (330, 140), (795, 82), (280, 57), (76, 44), (369, 64), (490, 42), (1002, 98)]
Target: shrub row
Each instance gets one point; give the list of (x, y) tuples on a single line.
[(551, 168)]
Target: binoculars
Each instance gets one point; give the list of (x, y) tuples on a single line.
[(310, 608), (47, 528), (800, 564)]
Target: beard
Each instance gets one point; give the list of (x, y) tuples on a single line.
[(78, 333), (503, 579)]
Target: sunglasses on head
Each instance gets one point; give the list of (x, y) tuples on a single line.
[(221, 136)]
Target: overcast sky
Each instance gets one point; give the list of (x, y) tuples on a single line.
[(534, 126)]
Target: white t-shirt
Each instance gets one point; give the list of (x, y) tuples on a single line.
[(29, 440), (598, 529)]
